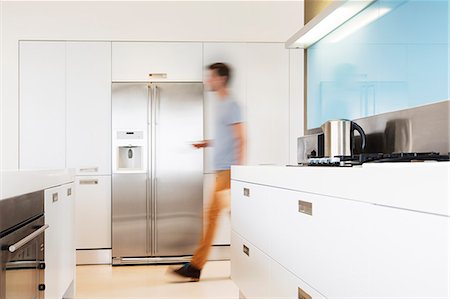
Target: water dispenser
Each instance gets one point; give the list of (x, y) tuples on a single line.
[(129, 152)]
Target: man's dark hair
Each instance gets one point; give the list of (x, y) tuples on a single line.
[(222, 70)]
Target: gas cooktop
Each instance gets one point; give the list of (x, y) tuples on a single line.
[(359, 159)]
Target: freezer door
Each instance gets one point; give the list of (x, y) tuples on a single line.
[(178, 168), (129, 216)]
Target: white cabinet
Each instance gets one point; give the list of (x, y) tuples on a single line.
[(251, 214), (335, 247), (134, 61), (250, 268), (67, 259), (284, 284), (409, 254), (52, 242), (42, 105), (93, 212), (316, 238), (267, 87), (260, 83), (59, 240), (89, 107)]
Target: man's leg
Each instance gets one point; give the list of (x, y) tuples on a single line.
[(215, 207), (193, 269)]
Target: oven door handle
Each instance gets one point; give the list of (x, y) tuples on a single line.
[(27, 239)]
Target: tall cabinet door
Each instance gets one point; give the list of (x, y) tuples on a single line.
[(42, 105), (89, 107), (178, 168), (267, 103), (234, 55)]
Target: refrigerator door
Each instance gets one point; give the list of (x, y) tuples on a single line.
[(130, 203), (129, 216), (178, 168)]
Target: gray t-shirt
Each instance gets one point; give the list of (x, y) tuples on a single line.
[(225, 144)]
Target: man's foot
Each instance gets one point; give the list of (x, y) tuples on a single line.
[(186, 273)]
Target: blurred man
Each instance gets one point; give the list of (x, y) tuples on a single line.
[(229, 145)]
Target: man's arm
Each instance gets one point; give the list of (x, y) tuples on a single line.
[(239, 134)]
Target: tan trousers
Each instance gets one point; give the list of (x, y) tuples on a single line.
[(216, 205)]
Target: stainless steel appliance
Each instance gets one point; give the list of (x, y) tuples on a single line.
[(22, 247), (157, 184), (339, 138)]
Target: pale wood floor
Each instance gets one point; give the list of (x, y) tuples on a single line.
[(132, 282)]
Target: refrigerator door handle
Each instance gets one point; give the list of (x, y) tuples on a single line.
[(157, 104), (155, 210)]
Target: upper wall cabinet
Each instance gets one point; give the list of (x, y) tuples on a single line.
[(89, 107), (42, 105), (134, 61)]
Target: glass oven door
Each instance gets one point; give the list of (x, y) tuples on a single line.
[(22, 262)]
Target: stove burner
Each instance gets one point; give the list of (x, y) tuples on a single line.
[(378, 158)]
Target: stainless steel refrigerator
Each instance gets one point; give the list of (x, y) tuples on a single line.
[(157, 181)]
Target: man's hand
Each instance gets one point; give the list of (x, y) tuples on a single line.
[(201, 144)]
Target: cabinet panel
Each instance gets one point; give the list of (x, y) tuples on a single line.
[(89, 107), (284, 284), (409, 254), (135, 60), (250, 268), (53, 245), (268, 104), (42, 78), (323, 240), (67, 259), (251, 216), (93, 212)]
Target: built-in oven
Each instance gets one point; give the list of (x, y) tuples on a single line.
[(22, 262)]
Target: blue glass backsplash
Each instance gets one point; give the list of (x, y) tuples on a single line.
[(391, 56)]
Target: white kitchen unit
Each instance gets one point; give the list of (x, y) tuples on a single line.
[(59, 241), (169, 61), (268, 104), (88, 98), (93, 208), (336, 239), (89, 146), (42, 105)]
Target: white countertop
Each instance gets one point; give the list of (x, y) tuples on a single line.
[(421, 187), (18, 182)]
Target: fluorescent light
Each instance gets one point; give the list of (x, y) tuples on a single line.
[(358, 23), (333, 16)]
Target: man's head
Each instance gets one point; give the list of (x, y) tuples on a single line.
[(219, 76)]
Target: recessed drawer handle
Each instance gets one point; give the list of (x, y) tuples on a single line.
[(89, 169), (247, 192), (54, 197), (69, 191), (89, 182), (303, 295), (305, 207), (246, 250), (157, 76)]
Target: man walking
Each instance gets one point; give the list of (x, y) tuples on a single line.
[(229, 145)]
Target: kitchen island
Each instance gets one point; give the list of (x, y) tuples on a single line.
[(372, 231), (54, 194)]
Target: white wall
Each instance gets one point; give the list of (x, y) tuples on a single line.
[(234, 21)]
